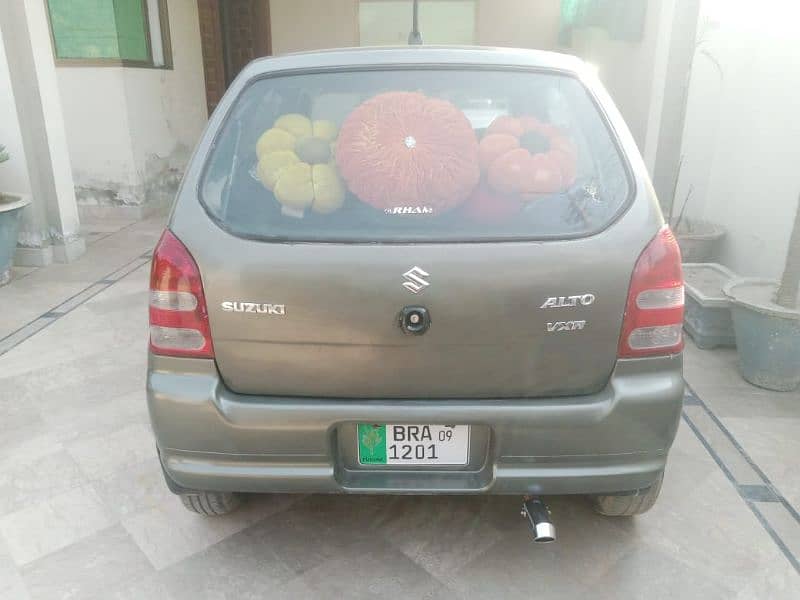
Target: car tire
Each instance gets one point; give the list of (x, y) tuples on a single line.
[(628, 504), (211, 504)]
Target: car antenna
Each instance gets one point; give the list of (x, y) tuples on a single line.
[(415, 37)]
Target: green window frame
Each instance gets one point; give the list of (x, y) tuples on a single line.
[(131, 33)]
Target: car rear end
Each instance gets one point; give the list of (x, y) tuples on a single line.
[(406, 350)]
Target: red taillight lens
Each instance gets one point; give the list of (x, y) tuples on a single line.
[(654, 311), (178, 315)]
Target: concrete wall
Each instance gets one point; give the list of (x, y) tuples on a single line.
[(130, 131), (49, 228), (310, 24), (519, 23), (98, 133), (14, 173), (167, 108), (299, 25), (740, 140), (627, 69)]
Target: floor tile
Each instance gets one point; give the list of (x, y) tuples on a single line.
[(242, 566), (169, 533), (65, 412), (702, 522), (448, 534), (88, 568), (516, 568), (56, 523), (784, 523), (150, 587), (371, 568), (136, 488), (649, 573), (12, 586), (29, 482), (722, 446), (113, 452)]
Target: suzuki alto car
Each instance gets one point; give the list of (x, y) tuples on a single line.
[(416, 271)]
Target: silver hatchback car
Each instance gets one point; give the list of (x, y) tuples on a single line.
[(411, 271)]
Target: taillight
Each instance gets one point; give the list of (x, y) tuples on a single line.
[(178, 315), (654, 311)]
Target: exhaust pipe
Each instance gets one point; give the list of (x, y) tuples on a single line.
[(539, 518)]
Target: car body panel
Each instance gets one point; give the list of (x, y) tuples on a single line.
[(339, 335), (617, 439), (278, 408)]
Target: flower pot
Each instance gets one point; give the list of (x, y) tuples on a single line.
[(767, 335), (10, 209), (707, 317), (699, 240)]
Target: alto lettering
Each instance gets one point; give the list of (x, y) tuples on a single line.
[(568, 301)]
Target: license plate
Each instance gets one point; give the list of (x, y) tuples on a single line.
[(413, 444)]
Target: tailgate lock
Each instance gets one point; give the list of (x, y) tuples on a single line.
[(414, 320)]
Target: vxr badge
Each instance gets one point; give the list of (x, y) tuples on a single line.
[(415, 280)]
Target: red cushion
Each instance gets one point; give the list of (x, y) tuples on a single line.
[(405, 149)]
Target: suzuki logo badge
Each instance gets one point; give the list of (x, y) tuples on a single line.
[(414, 280)]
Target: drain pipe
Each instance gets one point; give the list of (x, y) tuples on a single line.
[(539, 518)]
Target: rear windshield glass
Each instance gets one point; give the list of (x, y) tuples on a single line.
[(414, 155)]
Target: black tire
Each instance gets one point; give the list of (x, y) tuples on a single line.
[(211, 504), (628, 504)]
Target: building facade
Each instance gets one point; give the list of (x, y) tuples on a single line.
[(101, 101)]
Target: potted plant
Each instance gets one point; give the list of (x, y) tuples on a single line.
[(766, 319), (10, 208)]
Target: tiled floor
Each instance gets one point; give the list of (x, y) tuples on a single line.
[(84, 512)]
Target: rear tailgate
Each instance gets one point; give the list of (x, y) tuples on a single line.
[(512, 199), (505, 320)]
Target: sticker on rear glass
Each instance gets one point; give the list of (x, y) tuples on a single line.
[(409, 210)]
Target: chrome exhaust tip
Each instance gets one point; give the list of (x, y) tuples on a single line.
[(539, 519)]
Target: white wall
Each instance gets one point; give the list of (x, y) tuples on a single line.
[(311, 25), (129, 128), (741, 151), (629, 69), (519, 23), (314, 24), (167, 108), (13, 173), (98, 134)]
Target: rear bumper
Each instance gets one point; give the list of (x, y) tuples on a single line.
[(211, 438)]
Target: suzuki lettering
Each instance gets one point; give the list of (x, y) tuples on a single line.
[(253, 307)]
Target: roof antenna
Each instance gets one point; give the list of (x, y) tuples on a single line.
[(415, 37)]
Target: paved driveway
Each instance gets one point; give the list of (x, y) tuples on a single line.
[(84, 512)]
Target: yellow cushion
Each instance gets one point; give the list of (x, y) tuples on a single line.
[(294, 188), (298, 125), (273, 140), (271, 165), (295, 161), (328, 189)]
